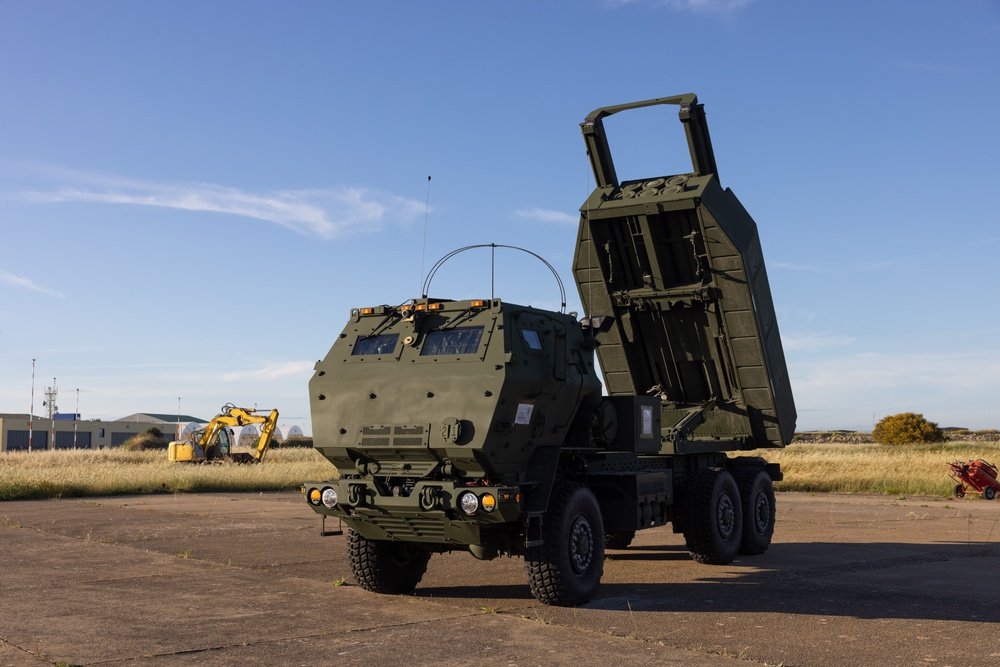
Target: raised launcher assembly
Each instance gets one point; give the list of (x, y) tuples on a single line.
[(676, 260)]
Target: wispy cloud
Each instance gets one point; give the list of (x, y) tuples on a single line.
[(326, 213), (932, 67), (953, 388), (794, 266), (271, 371), (26, 283), (696, 6), (543, 215), (811, 340), (707, 6), (854, 265)]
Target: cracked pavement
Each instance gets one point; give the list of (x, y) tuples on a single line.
[(221, 579)]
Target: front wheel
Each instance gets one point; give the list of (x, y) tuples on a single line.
[(566, 569), (713, 516), (386, 567), (959, 491), (989, 493)]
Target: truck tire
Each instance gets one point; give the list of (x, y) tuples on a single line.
[(386, 567), (566, 569), (713, 516), (757, 498), (618, 539)]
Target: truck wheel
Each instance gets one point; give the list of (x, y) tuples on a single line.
[(566, 570), (989, 493), (757, 498), (386, 567), (618, 539), (713, 516)]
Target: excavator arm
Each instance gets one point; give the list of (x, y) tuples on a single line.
[(266, 434)]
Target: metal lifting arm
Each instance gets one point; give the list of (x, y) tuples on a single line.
[(691, 114)]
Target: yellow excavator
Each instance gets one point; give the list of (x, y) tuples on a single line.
[(213, 443)]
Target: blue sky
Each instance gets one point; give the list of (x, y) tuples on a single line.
[(194, 194)]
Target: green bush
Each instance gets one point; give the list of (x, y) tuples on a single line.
[(151, 438), (906, 428), (294, 441)]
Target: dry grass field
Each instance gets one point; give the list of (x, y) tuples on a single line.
[(810, 467), (55, 474), (920, 469)]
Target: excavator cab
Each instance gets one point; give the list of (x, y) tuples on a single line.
[(223, 446)]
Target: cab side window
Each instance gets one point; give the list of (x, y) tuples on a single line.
[(531, 339)]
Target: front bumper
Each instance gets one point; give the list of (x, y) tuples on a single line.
[(429, 512)]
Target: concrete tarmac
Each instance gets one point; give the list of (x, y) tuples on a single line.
[(227, 579)]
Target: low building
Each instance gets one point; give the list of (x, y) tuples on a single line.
[(21, 432)]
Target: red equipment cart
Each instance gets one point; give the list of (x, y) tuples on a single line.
[(977, 475)]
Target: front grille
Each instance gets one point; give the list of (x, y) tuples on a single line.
[(404, 455), (375, 436), (402, 527), (397, 435)]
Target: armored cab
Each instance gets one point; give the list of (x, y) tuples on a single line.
[(675, 261), (419, 404)]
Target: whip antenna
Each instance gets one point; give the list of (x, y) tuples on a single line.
[(423, 249)]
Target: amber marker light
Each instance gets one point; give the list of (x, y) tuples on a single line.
[(435, 306), (367, 311), (478, 303), (488, 502)]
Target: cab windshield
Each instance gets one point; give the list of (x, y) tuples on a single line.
[(383, 344), (460, 340)]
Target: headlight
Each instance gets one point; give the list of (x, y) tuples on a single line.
[(314, 496), (330, 497), (469, 503)]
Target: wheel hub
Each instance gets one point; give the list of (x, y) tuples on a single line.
[(725, 517), (581, 545), (762, 513)]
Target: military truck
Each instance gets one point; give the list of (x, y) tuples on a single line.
[(482, 425)]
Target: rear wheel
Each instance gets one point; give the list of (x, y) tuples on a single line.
[(989, 493), (566, 569), (757, 498), (713, 516), (386, 567), (959, 491)]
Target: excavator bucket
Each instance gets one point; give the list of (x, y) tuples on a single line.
[(674, 264)]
